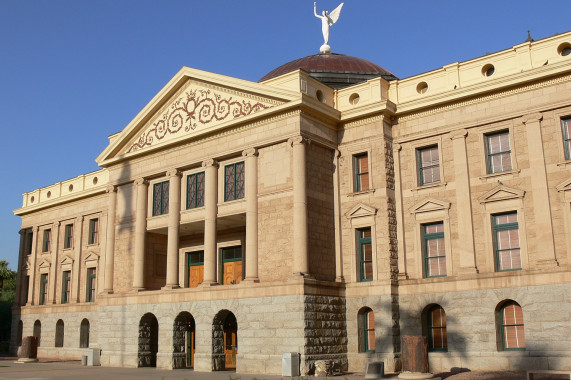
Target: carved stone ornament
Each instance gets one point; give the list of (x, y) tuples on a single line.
[(194, 108), (209, 162)]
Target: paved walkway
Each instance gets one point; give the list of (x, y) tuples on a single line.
[(74, 370)]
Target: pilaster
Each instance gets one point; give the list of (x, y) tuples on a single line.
[(251, 214), (140, 232)]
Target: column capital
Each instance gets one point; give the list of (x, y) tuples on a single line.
[(460, 133), (297, 140), (174, 173), (209, 162), (111, 189), (397, 147), (250, 152), (336, 153), (141, 181), (537, 116)]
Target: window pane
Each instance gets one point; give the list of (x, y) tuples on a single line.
[(513, 326)]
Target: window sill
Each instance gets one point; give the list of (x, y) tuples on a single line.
[(487, 177), (430, 186), (358, 193)]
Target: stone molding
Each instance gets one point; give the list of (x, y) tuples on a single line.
[(501, 193)]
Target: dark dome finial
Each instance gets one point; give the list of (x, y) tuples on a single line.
[(529, 39)]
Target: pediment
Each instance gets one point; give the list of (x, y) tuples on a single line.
[(361, 210), (502, 193), (564, 186), (193, 103), (429, 204), (45, 264), (66, 261), (91, 256)]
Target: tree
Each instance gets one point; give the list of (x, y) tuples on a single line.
[(7, 297)]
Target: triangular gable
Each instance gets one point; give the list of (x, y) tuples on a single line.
[(92, 256), (194, 102), (564, 186), (361, 210), (45, 264), (429, 204), (66, 261), (501, 193)]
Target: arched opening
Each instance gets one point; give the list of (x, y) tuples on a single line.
[(183, 341), (366, 326), (38, 331), (59, 333), (224, 341), (510, 326), (19, 333), (148, 340), (434, 327), (84, 334)]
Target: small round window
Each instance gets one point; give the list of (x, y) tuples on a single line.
[(32, 199), (564, 49), (49, 194), (70, 188), (319, 96), (95, 180), (354, 99), (422, 88), (488, 70)]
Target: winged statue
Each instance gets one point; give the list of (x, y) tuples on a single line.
[(327, 20)]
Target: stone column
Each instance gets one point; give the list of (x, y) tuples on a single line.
[(173, 229), (32, 269), (541, 203), (20, 276), (52, 283), (77, 267), (140, 232), (337, 215), (251, 214), (211, 211), (403, 274), (110, 238), (466, 250), (300, 251)]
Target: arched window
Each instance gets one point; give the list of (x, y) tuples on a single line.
[(366, 330), (84, 334), (38, 331), (511, 334), (436, 329), (59, 333)]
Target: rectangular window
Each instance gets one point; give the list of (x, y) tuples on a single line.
[(195, 269), (91, 278), (428, 165), (27, 292), (66, 287), (566, 126), (43, 288), (195, 190), (498, 152), (361, 172), (365, 248), (234, 181), (231, 265), (46, 242), (161, 198), (93, 237), (68, 236), (29, 242), (433, 250), (506, 242)]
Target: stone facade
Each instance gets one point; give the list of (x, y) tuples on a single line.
[(234, 221)]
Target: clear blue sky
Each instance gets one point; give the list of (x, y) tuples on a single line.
[(73, 72)]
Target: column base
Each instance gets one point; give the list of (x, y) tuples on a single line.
[(300, 276), (138, 290), (205, 284), (170, 287), (108, 291), (340, 279), (402, 276)]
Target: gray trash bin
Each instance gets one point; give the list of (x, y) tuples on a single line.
[(290, 364)]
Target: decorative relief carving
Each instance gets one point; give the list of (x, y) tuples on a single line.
[(194, 108)]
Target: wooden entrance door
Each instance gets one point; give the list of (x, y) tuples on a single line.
[(230, 341)]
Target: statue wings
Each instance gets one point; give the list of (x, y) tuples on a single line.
[(334, 15)]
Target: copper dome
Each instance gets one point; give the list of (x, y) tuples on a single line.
[(334, 70)]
